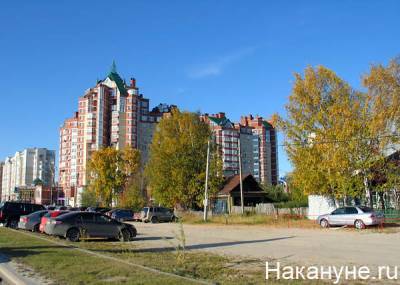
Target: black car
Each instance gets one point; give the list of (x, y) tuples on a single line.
[(98, 209), (10, 212), (76, 225)]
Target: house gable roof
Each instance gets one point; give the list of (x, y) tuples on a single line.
[(232, 184)]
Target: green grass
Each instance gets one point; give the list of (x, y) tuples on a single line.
[(70, 266)]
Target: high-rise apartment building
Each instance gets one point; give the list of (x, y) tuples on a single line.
[(258, 146), (112, 113), (1, 177), (24, 168)]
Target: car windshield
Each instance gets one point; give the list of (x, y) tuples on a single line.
[(366, 209), (1, 205)]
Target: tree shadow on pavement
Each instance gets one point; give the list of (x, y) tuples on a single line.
[(151, 238), (197, 246)]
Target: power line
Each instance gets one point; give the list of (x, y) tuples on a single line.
[(334, 141)]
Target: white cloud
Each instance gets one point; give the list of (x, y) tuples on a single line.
[(217, 66)]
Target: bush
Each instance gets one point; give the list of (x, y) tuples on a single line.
[(275, 193)]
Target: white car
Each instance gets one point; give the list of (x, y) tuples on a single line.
[(357, 216)]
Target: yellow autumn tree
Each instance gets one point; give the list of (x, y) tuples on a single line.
[(110, 172), (322, 116), (338, 138)]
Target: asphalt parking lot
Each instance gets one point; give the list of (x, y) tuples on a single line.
[(287, 245)]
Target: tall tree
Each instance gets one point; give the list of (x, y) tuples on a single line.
[(338, 138), (383, 84), (132, 196), (109, 172), (322, 116), (177, 164)]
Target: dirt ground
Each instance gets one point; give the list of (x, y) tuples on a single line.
[(292, 246)]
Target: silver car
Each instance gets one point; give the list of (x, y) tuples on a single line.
[(157, 214), (357, 216)]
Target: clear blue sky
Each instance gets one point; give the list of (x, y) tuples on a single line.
[(232, 56)]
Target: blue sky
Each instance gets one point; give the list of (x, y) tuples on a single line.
[(233, 56)]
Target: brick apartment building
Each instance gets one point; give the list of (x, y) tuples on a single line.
[(258, 146), (1, 177), (112, 113)]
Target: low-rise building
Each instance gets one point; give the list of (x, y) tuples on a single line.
[(40, 194)]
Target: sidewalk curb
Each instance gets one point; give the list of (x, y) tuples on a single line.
[(9, 274)]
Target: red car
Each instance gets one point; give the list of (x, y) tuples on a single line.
[(50, 214)]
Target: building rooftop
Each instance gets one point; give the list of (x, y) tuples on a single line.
[(114, 76)]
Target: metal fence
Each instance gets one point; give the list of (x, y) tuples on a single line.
[(270, 209)]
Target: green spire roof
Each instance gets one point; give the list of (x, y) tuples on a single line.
[(114, 76), (267, 125), (113, 67), (216, 120)]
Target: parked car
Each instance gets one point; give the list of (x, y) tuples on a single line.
[(121, 214), (98, 209), (77, 209), (137, 216), (74, 225), (357, 216), (31, 222), (49, 215), (61, 208), (157, 214), (10, 212)]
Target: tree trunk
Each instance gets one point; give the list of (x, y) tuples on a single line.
[(368, 192), (371, 199), (381, 196)]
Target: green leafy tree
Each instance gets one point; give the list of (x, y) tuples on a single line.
[(132, 196), (37, 182), (177, 164), (275, 193), (89, 198)]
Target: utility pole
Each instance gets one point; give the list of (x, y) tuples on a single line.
[(206, 186), (240, 176)]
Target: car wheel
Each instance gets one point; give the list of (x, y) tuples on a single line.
[(124, 235), (133, 233), (324, 223), (35, 228), (359, 224), (73, 235), (154, 219), (13, 224)]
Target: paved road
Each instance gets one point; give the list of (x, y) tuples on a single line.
[(293, 246)]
